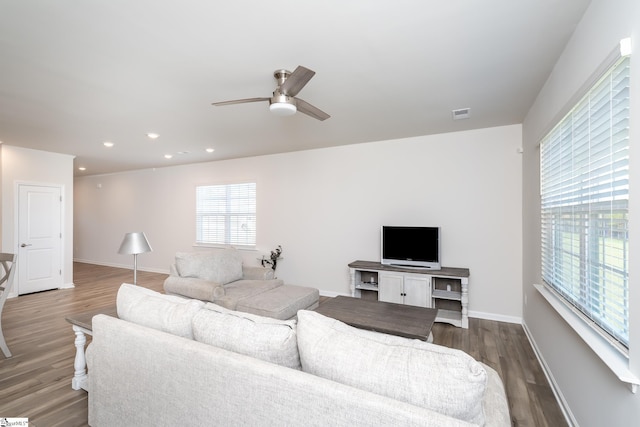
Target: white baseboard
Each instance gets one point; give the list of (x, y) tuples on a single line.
[(106, 264), (564, 406), (332, 294), (127, 266), (324, 293), (496, 317)]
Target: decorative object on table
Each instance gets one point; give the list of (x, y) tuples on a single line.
[(8, 262), (273, 258), (134, 243)]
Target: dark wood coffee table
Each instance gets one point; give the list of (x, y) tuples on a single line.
[(394, 319)]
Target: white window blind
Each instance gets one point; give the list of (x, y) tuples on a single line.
[(584, 173), (226, 214)]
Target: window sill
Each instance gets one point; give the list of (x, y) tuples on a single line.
[(611, 356)]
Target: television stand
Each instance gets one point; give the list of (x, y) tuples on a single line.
[(445, 289)]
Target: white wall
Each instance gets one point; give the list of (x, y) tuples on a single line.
[(22, 165), (591, 392), (325, 208)]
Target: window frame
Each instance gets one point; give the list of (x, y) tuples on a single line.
[(229, 204), (584, 187), (614, 355)]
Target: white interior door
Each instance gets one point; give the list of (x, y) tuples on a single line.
[(40, 238)]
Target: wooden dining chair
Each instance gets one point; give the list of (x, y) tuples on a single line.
[(8, 262)]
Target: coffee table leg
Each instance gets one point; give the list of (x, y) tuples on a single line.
[(79, 380)]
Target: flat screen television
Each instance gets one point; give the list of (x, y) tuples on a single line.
[(412, 247)]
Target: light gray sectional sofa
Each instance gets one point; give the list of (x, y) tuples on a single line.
[(219, 276), (169, 361)]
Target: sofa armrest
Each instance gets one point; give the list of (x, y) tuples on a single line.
[(257, 273), (191, 287), (173, 270), (494, 403)]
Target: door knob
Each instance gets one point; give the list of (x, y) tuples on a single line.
[(24, 245)]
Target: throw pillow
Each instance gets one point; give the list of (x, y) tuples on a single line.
[(166, 313), (434, 377), (271, 340), (219, 266)]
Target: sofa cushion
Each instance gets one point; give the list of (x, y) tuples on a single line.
[(268, 339), (191, 287), (240, 289), (166, 313), (219, 266), (434, 377), (282, 302)]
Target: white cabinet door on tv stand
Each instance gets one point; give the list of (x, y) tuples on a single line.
[(417, 291), (404, 289), (390, 288)]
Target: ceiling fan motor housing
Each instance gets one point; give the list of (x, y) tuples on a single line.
[(280, 104), (281, 76)]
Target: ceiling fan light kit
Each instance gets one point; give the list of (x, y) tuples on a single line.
[(281, 105), (283, 109), (284, 101)]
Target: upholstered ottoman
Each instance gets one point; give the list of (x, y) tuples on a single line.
[(281, 303)]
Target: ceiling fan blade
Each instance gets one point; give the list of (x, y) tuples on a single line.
[(239, 101), (310, 110), (296, 81)]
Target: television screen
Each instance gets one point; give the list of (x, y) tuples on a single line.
[(410, 246)]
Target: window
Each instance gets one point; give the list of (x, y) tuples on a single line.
[(584, 181), (226, 214)]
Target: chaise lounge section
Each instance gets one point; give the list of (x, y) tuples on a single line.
[(220, 277)]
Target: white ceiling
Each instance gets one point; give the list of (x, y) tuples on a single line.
[(74, 74)]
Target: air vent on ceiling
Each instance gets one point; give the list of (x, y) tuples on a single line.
[(461, 113)]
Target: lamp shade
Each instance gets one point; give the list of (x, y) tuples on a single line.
[(134, 243)]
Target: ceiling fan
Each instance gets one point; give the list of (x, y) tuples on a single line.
[(284, 101)]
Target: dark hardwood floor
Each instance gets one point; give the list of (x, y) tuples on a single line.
[(36, 382)]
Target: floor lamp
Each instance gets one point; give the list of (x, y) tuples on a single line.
[(134, 243)]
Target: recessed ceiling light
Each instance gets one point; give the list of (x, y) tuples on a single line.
[(82, 168), (168, 156), (153, 135), (108, 144), (210, 150)]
